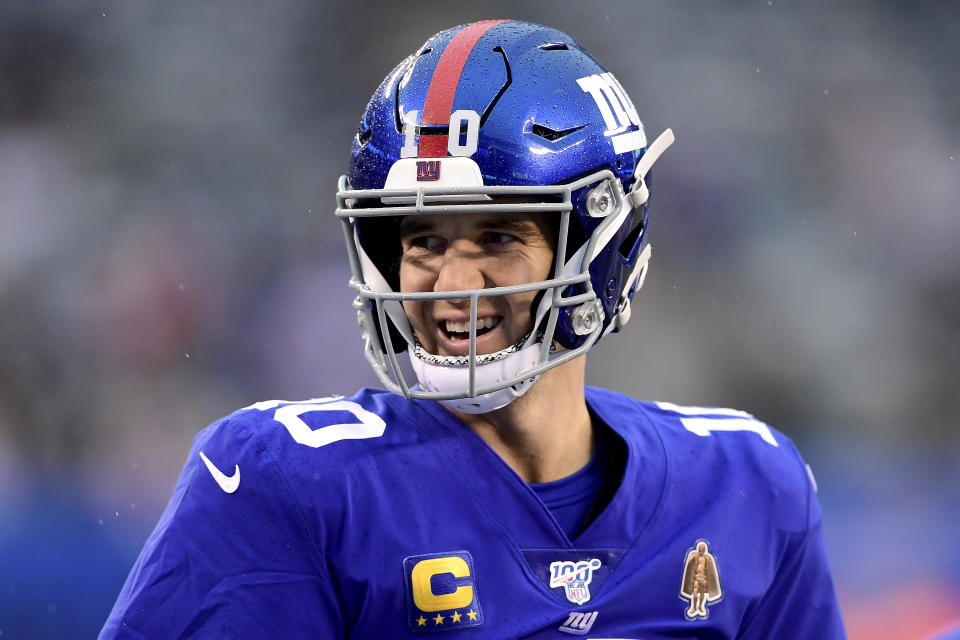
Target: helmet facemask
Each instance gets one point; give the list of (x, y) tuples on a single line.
[(477, 383)]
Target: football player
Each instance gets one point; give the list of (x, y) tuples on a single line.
[(496, 211)]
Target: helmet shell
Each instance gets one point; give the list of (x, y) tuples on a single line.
[(539, 124)]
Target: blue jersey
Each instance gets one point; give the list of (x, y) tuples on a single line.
[(380, 517)]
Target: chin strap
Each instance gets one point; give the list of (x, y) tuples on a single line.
[(640, 193), (444, 378)]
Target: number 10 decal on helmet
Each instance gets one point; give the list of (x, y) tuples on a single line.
[(508, 117), (459, 120)]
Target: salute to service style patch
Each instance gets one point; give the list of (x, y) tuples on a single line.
[(701, 581)]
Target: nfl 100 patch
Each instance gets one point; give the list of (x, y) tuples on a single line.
[(576, 575), (441, 592)]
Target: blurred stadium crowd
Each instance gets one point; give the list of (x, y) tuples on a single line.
[(168, 254)]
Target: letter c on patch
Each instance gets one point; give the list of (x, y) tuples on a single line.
[(423, 595)]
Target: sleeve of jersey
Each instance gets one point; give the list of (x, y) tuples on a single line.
[(801, 602), (228, 564)]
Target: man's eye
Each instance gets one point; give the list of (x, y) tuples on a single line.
[(428, 243), (497, 238)]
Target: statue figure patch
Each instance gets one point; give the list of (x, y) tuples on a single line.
[(574, 577), (701, 581)]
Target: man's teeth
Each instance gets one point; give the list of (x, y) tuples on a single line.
[(464, 327)]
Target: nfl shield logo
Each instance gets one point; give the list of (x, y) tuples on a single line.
[(578, 592)]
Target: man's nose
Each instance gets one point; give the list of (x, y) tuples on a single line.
[(461, 270)]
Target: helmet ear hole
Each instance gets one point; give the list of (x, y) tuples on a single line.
[(629, 247)]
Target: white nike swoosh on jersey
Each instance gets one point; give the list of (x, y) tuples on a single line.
[(227, 483)]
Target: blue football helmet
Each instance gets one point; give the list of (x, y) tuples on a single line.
[(499, 115)]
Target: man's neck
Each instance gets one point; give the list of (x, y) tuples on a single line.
[(546, 434)]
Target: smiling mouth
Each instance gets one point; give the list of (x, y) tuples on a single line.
[(457, 331)]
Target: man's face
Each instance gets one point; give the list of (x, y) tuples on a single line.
[(473, 251)]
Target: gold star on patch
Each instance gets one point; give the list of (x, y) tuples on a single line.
[(421, 621), (472, 614), (438, 619), (456, 616)]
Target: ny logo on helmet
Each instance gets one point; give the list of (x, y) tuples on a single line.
[(428, 170), (617, 111)]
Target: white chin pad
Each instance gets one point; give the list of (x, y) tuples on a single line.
[(456, 378)]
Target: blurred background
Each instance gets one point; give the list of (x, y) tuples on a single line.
[(168, 253)]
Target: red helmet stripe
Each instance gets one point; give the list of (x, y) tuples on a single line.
[(443, 85)]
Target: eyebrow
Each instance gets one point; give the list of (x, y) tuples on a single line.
[(412, 225)]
